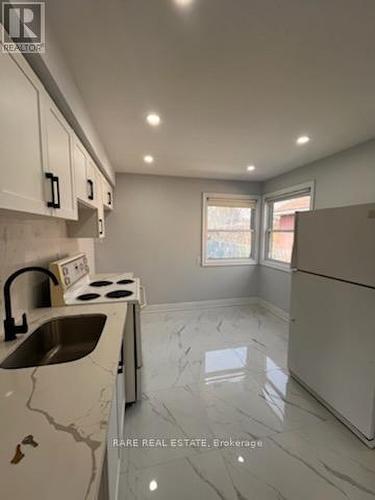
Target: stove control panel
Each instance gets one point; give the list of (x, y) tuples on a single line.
[(68, 272), (74, 270)]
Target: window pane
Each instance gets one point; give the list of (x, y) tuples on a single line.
[(284, 210), (228, 245), (280, 246), (229, 218)]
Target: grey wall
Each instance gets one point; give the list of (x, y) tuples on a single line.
[(155, 231), (346, 178), (274, 286)]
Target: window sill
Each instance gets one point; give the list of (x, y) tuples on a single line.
[(218, 263), (277, 265)]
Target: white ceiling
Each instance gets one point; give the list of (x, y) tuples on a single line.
[(235, 81)]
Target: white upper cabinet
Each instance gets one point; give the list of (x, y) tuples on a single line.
[(91, 219), (92, 183), (59, 163), (36, 172), (44, 168), (22, 180), (100, 194), (80, 170), (107, 195), (84, 174)]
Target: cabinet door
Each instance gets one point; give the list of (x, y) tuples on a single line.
[(92, 184), (101, 223), (100, 204), (107, 195), (80, 167), (91, 222), (84, 175), (22, 185), (57, 137)]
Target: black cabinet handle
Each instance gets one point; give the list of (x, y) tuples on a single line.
[(109, 198), (54, 180), (91, 191), (100, 226), (51, 204)]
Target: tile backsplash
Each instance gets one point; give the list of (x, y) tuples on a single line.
[(27, 240)]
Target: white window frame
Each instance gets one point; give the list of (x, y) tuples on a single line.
[(291, 191), (205, 262)]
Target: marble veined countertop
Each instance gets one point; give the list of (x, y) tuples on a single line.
[(65, 407)]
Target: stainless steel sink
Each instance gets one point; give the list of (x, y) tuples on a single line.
[(58, 341)]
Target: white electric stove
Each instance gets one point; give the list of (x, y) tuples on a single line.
[(76, 287)]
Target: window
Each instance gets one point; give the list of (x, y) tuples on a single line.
[(229, 229), (279, 216)]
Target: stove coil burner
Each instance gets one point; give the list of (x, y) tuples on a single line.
[(101, 283), (88, 296), (125, 282), (117, 294)]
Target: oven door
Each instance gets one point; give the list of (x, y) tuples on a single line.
[(133, 353)]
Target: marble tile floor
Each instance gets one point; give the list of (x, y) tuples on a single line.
[(221, 374)]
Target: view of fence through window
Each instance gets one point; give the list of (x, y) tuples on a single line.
[(229, 234), (281, 231)]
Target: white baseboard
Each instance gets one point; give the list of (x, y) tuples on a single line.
[(209, 304), (201, 304), (277, 311)]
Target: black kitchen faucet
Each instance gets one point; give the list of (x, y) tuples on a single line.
[(10, 327)]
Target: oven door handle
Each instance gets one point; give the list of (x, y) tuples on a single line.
[(137, 337), (120, 368)]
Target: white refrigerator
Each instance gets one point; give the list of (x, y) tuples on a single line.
[(332, 326)]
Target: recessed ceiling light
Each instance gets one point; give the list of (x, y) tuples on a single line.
[(183, 3), (303, 139), (250, 168), (153, 119), (153, 485), (148, 159)]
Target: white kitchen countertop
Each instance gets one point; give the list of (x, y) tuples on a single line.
[(66, 408)]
